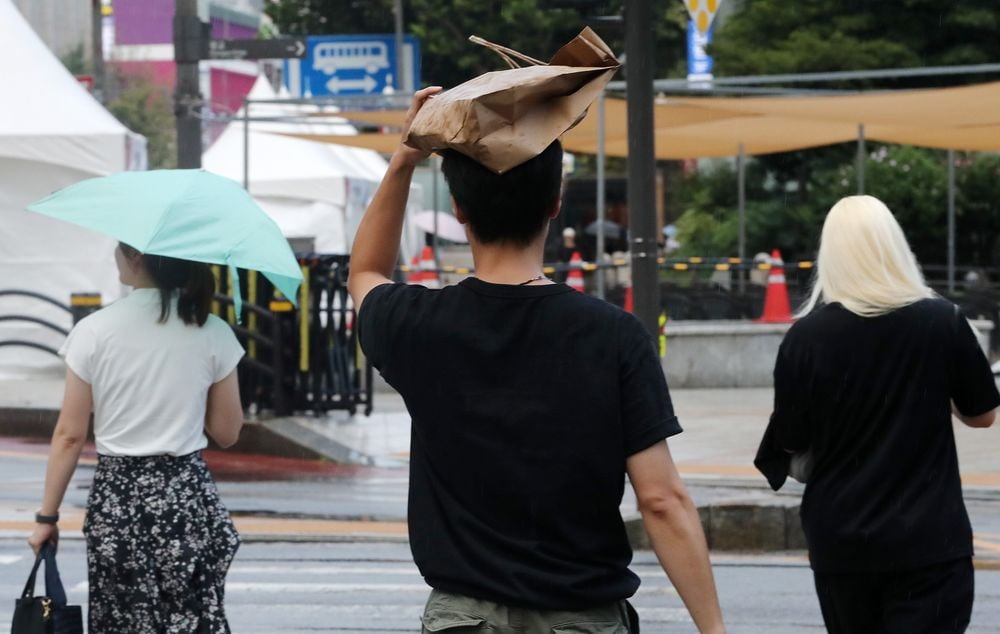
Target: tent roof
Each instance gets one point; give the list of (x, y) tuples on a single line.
[(287, 167), (961, 118), (46, 115)]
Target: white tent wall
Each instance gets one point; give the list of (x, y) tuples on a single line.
[(45, 256), (312, 190), (315, 220), (52, 133)]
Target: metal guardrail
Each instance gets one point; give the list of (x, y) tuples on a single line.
[(80, 305), (304, 359)]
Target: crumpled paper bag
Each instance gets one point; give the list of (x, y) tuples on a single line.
[(503, 118)]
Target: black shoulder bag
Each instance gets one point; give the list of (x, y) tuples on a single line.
[(48, 614)]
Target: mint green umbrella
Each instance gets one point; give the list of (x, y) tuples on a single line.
[(188, 214)]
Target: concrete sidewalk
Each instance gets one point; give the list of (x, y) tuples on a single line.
[(714, 455)]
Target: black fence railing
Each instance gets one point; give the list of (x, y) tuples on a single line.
[(80, 305), (304, 359)]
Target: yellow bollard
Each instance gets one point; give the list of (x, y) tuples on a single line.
[(252, 317), (663, 334), (304, 321)]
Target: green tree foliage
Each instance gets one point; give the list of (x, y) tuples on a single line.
[(776, 36), (789, 194), (444, 26), (146, 108), (75, 61)]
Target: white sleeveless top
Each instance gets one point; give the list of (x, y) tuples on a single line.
[(149, 380)]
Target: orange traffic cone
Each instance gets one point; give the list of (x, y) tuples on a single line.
[(629, 301), (428, 268), (776, 306), (575, 277), (415, 276)]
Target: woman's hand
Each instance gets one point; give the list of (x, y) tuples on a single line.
[(43, 533), (410, 155)]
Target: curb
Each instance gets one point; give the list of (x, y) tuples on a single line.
[(738, 526)]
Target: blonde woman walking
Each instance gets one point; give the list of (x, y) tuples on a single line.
[(865, 387)]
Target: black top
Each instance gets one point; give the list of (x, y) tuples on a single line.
[(525, 402), (870, 398)]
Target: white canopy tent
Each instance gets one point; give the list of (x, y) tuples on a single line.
[(316, 192), (52, 133)]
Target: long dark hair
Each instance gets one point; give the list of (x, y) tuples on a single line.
[(193, 281)]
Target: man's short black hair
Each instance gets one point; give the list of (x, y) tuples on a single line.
[(513, 207)]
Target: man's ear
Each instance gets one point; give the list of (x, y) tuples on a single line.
[(459, 214), (555, 211)]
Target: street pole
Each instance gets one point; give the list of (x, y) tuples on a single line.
[(188, 49), (641, 162), (951, 221), (97, 49), (741, 170), (246, 144), (861, 158), (601, 272), (399, 84)]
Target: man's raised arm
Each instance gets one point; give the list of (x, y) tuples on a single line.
[(376, 245)]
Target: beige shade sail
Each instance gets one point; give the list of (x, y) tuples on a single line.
[(388, 118), (978, 104), (384, 143), (962, 118), (984, 138), (759, 135)]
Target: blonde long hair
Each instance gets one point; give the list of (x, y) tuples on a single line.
[(865, 262)]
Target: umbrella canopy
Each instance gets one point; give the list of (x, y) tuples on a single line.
[(612, 229), (448, 227), (187, 214)]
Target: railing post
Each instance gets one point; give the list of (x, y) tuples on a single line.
[(83, 304)]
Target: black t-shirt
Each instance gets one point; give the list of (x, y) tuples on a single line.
[(870, 398), (526, 402)]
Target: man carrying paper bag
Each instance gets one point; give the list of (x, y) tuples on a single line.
[(529, 401)]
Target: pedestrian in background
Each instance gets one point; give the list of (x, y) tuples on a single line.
[(529, 403), (865, 387), (158, 371), (566, 250)]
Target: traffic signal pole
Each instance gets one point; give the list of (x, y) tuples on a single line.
[(190, 44), (641, 163)]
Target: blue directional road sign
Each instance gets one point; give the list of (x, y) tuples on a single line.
[(353, 65)]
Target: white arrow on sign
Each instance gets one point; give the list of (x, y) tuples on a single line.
[(300, 48), (336, 85)]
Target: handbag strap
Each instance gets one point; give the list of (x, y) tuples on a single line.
[(506, 53), (53, 582), (29, 588)]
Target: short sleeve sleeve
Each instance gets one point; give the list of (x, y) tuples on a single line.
[(973, 388), (226, 350), (384, 310), (789, 416), (80, 350), (647, 412)]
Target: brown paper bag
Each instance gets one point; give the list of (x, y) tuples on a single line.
[(503, 118)]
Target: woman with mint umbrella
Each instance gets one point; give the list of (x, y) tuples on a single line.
[(159, 373)]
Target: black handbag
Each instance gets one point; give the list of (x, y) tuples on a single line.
[(48, 614)]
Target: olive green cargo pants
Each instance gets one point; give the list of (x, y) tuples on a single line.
[(457, 614)]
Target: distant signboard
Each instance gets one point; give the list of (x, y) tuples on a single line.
[(353, 65), (699, 62), (277, 48)]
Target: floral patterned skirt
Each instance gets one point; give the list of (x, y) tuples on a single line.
[(159, 544)]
